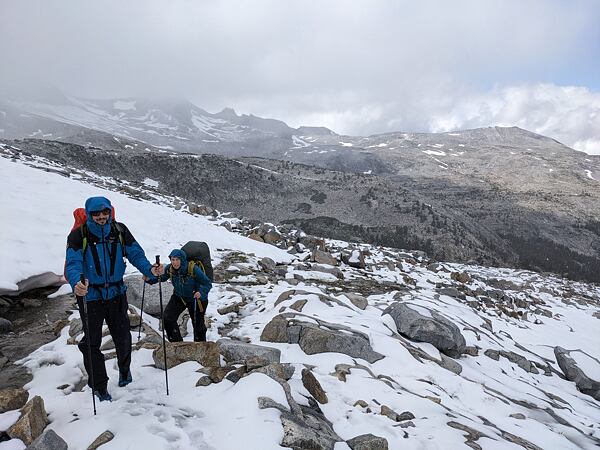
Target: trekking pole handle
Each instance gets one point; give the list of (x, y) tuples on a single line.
[(82, 278), (158, 260)]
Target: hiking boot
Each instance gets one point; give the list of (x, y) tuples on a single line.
[(124, 380), (103, 395)]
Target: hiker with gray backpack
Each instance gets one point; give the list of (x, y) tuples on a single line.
[(190, 272)]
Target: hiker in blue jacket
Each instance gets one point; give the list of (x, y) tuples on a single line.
[(190, 290), (97, 249)]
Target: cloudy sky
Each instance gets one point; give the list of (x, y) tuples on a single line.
[(358, 67)]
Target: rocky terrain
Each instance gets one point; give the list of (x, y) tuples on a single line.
[(553, 227), (345, 346)]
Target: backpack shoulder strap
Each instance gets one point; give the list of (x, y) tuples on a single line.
[(193, 263), (120, 230), (84, 232)]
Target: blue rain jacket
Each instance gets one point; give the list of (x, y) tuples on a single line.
[(103, 262)]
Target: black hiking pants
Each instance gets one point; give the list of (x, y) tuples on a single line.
[(174, 309), (114, 312)]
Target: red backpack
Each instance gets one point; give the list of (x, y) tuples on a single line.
[(80, 219)]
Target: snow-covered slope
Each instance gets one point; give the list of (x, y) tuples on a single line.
[(505, 391), (37, 216)]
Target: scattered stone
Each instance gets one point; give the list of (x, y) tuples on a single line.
[(357, 300), (108, 345), (237, 351), (471, 351), (322, 257), (406, 415), (494, 354), (452, 292), (58, 325), (104, 438), (451, 365), (267, 264), (32, 422), (304, 427), (12, 398), (255, 237), (298, 305), (313, 386), (436, 330), (277, 371), (134, 320), (368, 442), (461, 277), (236, 375), (355, 259), (574, 373), (389, 413), (361, 403), (76, 327), (48, 440), (206, 353), (234, 308), (204, 381), (518, 416)]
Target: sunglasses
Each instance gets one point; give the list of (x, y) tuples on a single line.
[(104, 212)]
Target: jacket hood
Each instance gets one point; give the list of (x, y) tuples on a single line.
[(177, 253), (97, 204)]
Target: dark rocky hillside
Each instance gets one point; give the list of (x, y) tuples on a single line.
[(451, 219)]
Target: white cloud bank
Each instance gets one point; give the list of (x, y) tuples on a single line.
[(569, 114)]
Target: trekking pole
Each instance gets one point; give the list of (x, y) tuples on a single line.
[(163, 323), (89, 345), (142, 311)]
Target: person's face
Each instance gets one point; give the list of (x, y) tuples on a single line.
[(175, 262), (101, 217)]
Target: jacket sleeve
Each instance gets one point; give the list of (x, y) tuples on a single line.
[(135, 253), (164, 277), (203, 283), (74, 258)]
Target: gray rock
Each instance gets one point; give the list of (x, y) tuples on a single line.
[(322, 257), (573, 373), (355, 259), (151, 295), (330, 270), (48, 440), (32, 422), (104, 438), (12, 398), (277, 371), (5, 325), (313, 339), (304, 428), (267, 264), (76, 327), (452, 292), (313, 386), (357, 300), (436, 330), (451, 365), (206, 353), (238, 351), (368, 442)]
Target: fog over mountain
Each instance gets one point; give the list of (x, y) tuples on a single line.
[(358, 67)]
